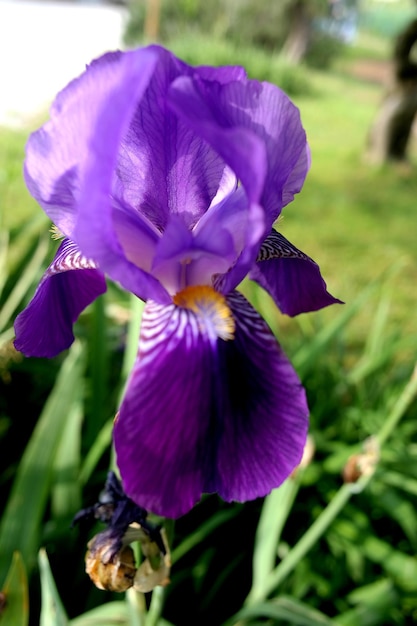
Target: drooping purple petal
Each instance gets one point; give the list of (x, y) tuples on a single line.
[(68, 286), (291, 277), (206, 415), (264, 407), (160, 432)]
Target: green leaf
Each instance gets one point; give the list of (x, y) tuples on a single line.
[(374, 604), (66, 493), (306, 356), (275, 511), (284, 608), (22, 517), (400, 480), (4, 243), (109, 614), (23, 283), (101, 443), (16, 611), (52, 610), (202, 532), (402, 567)]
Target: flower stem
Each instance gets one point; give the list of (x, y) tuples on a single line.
[(136, 607), (306, 542), (399, 408), (156, 606)]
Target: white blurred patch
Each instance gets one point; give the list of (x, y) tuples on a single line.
[(43, 45)]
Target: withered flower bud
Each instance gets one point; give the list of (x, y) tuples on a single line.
[(114, 574), (363, 463), (110, 561)]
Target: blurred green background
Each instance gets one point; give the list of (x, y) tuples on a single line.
[(358, 221)]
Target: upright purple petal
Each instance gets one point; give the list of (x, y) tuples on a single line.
[(202, 414), (290, 277), (204, 106), (68, 286), (255, 114), (166, 168)]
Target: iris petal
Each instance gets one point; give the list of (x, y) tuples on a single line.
[(202, 414), (68, 286), (165, 168), (264, 408), (291, 277), (160, 432), (257, 130), (57, 152), (95, 229)]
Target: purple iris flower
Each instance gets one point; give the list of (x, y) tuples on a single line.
[(168, 179)]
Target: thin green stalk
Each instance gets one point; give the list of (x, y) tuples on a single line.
[(318, 528), (24, 283), (156, 606), (399, 408), (136, 310), (275, 511), (136, 607), (306, 542)]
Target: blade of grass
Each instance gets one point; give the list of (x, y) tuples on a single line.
[(401, 481), (202, 533), (275, 511), (287, 609), (108, 614), (99, 446), (4, 242), (307, 355), (52, 610), (98, 372), (66, 493), (24, 282), (22, 517)]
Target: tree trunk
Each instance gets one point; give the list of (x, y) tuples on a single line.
[(152, 20), (297, 42), (389, 136)]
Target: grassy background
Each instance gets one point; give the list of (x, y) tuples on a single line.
[(358, 223)]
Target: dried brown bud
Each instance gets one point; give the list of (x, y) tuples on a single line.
[(351, 471), (363, 463), (115, 575)]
